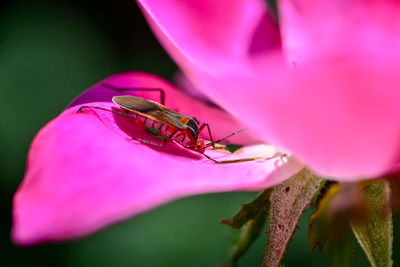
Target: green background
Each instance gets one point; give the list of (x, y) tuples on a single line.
[(50, 51)]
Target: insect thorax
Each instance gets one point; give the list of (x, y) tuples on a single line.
[(193, 126)]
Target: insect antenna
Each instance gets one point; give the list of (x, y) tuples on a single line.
[(212, 143)]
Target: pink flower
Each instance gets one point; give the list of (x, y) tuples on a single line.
[(85, 172), (327, 91)]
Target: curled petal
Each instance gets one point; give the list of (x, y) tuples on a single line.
[(84, 173), (211, 35)]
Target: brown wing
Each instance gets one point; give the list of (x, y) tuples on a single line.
[(134, 103), (169, 119), (174, 113), (150, 109)]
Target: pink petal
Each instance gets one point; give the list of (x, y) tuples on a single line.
[(337, 111), (315, 28), (340, 117), (182, 81), (84, 173), (205, 35)]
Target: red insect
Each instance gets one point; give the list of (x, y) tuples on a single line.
[(157, 119)]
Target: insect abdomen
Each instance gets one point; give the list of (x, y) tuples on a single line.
[(172, 133)]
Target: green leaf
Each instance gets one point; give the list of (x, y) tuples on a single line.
[(340, 254), (394, 181), (320, 222), (374, 233), (288, 201), (253, 217), (329, 225), (249, 234), (249, 211), (341, 203)]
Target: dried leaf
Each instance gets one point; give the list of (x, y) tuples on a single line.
[(288, 201), (374, 232)]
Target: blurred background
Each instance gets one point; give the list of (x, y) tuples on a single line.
[(50, 51)]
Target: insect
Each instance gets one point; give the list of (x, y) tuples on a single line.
[(164, 122)]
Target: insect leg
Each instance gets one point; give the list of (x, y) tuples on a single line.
[(231, 161), (210, 158), (205, 124), (244, 159), (161, 91), (212, 143), (82, 108)]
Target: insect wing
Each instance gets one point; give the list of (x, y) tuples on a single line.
[(167, 118), (174, 113), (151, 110), (136, 104)]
